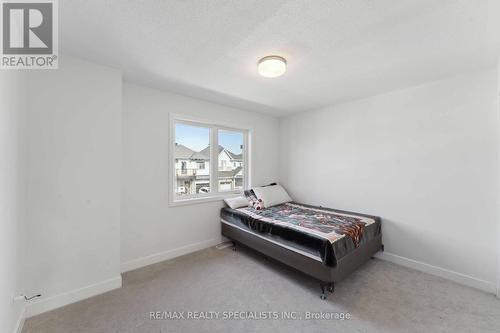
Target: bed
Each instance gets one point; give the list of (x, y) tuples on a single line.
[(325, 243)]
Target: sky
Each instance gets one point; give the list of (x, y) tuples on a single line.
[(198, 138)]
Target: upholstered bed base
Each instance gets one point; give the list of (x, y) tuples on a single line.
[(306, 264)]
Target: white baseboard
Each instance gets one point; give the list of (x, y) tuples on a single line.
[(441, 272), (57, 301), (20, 321), (166, 255)]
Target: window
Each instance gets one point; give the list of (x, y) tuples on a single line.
[(194, 146)]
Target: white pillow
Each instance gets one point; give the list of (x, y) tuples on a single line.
[(236, 202), (272, 195)]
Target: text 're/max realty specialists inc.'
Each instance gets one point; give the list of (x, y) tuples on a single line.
[(248, 315)]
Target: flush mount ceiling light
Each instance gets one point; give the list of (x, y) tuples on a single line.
[(272, 66)]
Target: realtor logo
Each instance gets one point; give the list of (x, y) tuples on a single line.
[(29, 34)]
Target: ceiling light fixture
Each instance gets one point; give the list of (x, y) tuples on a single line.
[(272, 66)]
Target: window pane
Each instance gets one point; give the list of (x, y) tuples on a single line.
[(192, 159), (230, 160)]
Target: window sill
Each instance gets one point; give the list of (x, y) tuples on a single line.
[(204, 199)]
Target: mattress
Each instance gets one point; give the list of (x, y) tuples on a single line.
[(325, 233)]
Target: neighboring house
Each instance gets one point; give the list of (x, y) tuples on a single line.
[(192, 170)]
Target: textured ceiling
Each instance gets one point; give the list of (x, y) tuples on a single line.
[(337, 50)]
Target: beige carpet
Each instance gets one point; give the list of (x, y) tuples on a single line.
[(379, 297)]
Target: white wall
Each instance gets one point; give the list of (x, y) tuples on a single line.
[(422, 158), (72, 130), (12, 96), (152, 231)]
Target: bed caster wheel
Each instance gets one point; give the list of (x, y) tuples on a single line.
[(327, 286)]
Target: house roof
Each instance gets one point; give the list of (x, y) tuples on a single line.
[(206, 151), (182, 152), (200, 156), (237, 157)]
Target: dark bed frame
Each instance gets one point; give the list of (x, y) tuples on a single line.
[(315, 268)]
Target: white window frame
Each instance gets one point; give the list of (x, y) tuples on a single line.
[(214, 195)]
